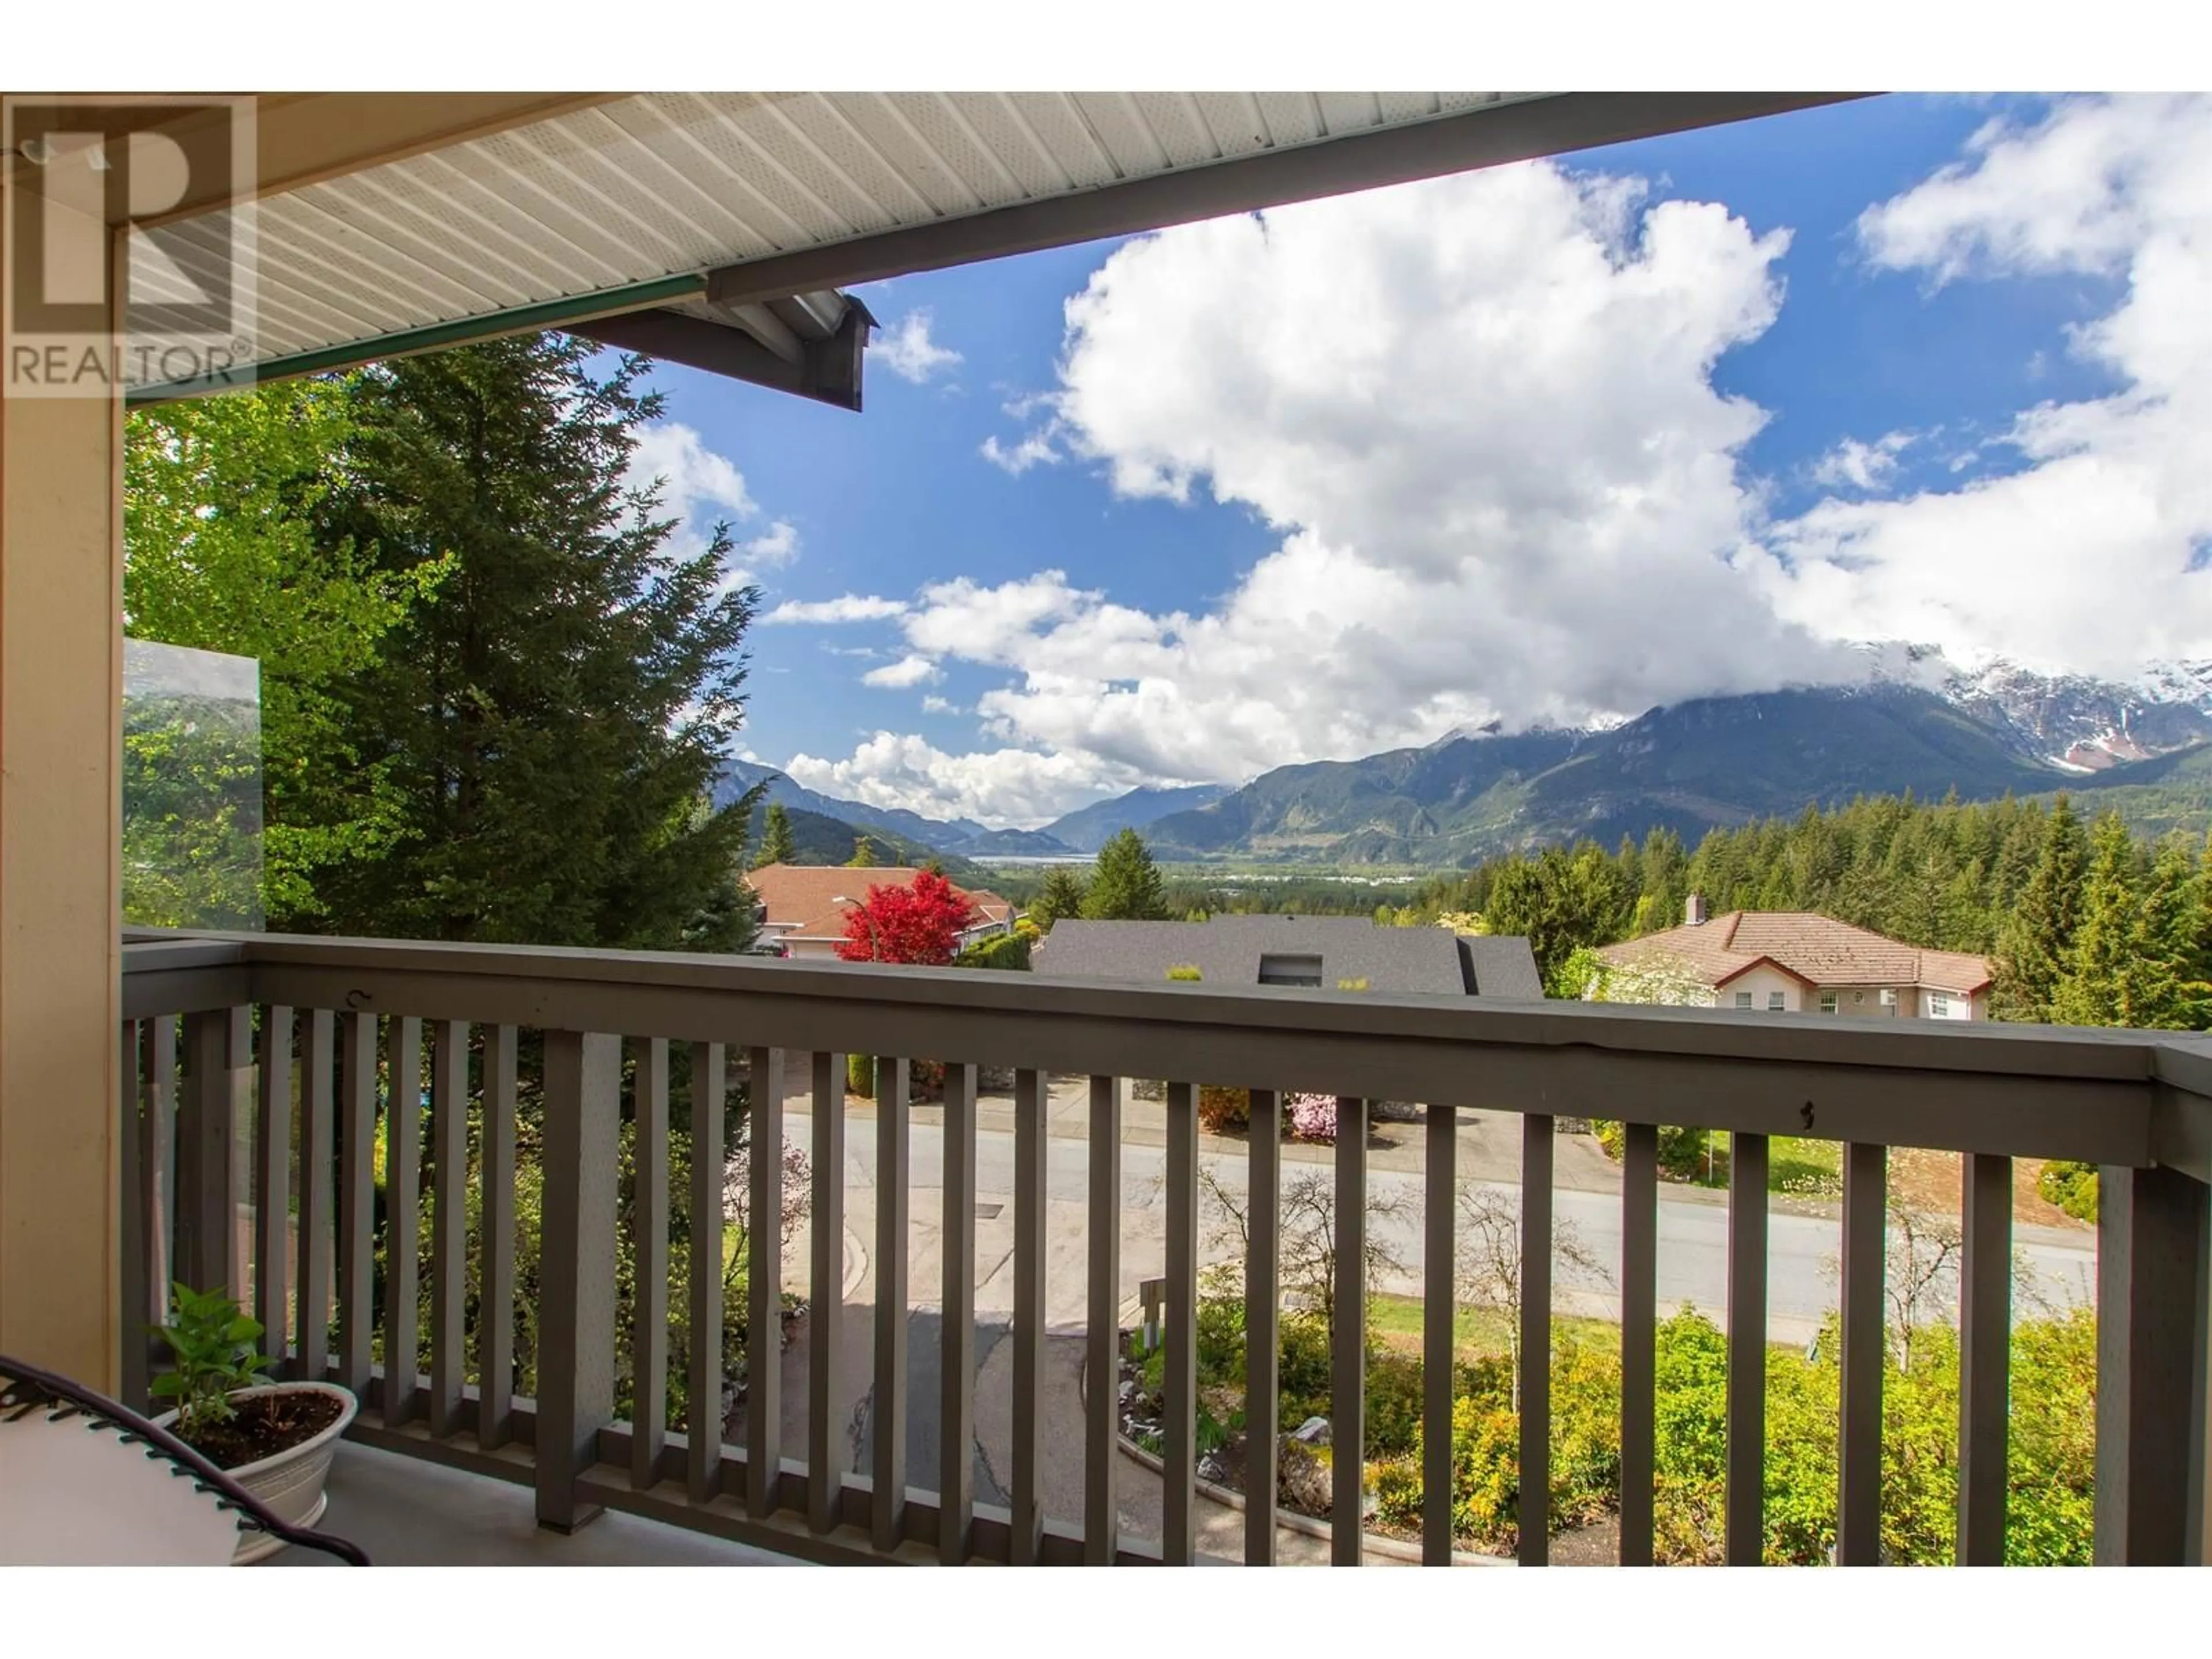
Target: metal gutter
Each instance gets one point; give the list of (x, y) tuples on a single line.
[(519, 319)]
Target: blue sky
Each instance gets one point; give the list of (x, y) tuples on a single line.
[(1679, 416)]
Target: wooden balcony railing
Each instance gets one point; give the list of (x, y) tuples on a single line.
[(287, 1033)]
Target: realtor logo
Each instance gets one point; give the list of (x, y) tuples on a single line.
[(153, 195)]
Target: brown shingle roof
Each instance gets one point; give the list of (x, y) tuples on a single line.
[(1816, 948), (801, 898)]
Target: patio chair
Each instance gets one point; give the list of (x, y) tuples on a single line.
[(86, 1482)]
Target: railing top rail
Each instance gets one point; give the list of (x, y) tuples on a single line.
[(2031, 1091), (2026, 1050)]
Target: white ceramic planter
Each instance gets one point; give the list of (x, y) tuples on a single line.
[(291, 1482)]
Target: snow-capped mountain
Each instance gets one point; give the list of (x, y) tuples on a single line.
[(2085, 724)]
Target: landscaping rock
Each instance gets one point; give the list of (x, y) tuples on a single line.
[(1302, 1481), (1314, 1432)]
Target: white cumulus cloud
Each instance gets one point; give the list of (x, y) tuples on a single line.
[(776, 545), (1033, 449), (994, 786), (845, 608), (909, 352), (911, 670), (2089, 557), (1480, 415), (1861, 466)]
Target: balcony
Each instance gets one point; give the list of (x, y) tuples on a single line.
[(935, 1403)]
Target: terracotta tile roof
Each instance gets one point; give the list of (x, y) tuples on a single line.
[(1814, 948), (802, 898)]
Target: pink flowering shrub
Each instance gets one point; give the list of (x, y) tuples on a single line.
[(1312, 1117)]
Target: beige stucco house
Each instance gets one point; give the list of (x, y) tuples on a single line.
[(1795, 961)]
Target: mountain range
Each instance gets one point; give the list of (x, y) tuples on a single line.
[(1083, 831), (1918, 723)]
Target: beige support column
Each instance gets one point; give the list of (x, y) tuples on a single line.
[(61, 590)]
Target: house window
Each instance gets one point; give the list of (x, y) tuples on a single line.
[(1939, 1006), (1888, 998), (1743, 999), (1774, 1002), (1290, 970), (1827, 1002)]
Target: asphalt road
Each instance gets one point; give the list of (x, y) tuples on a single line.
[(1692, 1259), (1693, 1254)]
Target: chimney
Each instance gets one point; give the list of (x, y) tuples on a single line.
[(1693, 913)]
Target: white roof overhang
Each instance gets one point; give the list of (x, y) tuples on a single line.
[(717, 228)]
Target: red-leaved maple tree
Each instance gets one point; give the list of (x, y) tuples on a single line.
[(918, 924)]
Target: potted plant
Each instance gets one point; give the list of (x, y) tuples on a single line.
[(276, 1439)]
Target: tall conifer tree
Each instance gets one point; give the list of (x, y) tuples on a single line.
[(552, 713)]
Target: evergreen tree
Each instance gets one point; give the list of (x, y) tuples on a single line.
[(2158, 972), (864, 855), (1125, 886), (550, 716), (777, 844), (2196, 986), (1062, 896), (2090, 991), (2038, 948)]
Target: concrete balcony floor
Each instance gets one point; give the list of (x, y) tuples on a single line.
[(408, 1513)]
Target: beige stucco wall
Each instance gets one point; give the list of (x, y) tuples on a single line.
[(1761, 982), (61, 690), (1869, 1004)]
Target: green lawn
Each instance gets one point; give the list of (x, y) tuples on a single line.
[(1477, 1332)]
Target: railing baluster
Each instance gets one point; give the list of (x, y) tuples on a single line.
[(449, 1222), (1263, 1304), (356, 1200), (272, 1169), (1347, 1386), (702, 1420), (217, 1049), (2152, 1311), (956, 1476), (317, 1147), (1984, 1358), (159, 1170), (1639, 1296), (1538, 1145), (1438, 1308), (1101, 1520), (825, 1463), (648, 1337), (1745, 1500), (495, 1299), (577, 1276), (1179, 1464), (764, 1281), (1866, 1224), (887, 1426), (131, 1213), (403, 1182), (1028, 1521)]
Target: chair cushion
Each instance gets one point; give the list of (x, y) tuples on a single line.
[(75, 1495)]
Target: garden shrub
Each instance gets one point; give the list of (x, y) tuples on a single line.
[(1398, 1491), (1223, 1111), (1311, 1117), (1003, 950), (2072, 1187), (861, 1076), (1394, 1402)]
